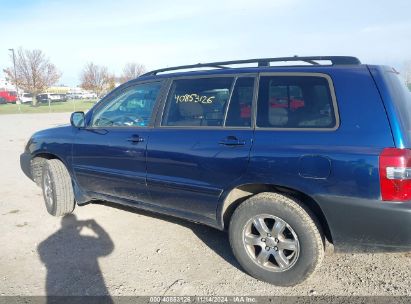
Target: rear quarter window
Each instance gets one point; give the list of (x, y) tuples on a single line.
[(401, 97), (296, 102)]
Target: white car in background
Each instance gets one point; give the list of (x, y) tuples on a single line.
[(89, 95), (26, 98), (73, 96)]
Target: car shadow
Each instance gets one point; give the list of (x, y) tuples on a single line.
[(215, 239), (71, 258)]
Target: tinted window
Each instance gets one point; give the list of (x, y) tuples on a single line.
[(197, 102), (239, 110), (132, 107), (295, 102)]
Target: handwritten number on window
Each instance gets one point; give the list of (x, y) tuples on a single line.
[(194, 98)]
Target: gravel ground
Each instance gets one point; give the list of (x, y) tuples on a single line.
[(117, 251)]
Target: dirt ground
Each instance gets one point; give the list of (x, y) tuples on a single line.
[(108, 250)]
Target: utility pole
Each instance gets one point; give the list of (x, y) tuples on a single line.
[(15, 78)]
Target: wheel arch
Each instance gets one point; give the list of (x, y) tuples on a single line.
[(240, 193)]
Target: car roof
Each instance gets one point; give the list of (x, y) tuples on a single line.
[(250, 70), (296, 63)]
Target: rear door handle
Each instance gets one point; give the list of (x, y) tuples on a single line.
[(232, 141), (135, 139)]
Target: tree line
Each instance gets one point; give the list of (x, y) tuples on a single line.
[(34, 73)]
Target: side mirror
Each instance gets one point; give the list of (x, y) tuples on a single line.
[(77, 120)]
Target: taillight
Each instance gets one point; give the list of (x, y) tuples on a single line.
[(395, 174)]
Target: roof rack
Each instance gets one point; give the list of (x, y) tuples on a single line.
[(263, 62)]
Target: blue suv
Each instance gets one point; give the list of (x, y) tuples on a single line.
[(286, 157)]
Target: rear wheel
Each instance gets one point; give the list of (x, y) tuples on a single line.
[(57, 188), (275, 239)]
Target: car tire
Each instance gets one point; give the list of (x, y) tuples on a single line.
[(290, 247), (57, 188)]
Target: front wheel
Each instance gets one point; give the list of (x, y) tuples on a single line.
[(275, 239), (57, 188)]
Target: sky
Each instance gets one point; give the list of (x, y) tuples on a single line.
[(178, 32)]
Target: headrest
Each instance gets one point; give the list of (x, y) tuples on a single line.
[(278, 116), (190, 109)]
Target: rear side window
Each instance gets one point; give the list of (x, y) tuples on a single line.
[(295, 102), (401, 98), (198, 102)]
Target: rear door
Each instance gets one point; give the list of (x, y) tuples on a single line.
[(201, 144), (109, 156)]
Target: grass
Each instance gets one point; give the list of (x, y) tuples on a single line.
[(55, 107)]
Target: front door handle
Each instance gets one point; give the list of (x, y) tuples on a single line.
[(232, 141), (135, 139)]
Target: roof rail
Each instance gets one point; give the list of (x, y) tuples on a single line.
[(263, 62)]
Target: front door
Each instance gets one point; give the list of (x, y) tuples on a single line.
[(109, 155), (202, 144)]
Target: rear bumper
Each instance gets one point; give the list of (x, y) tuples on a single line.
[(361, 225)]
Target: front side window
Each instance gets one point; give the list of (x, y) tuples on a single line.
[(295, 102), (198, 102), (131, 108)]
